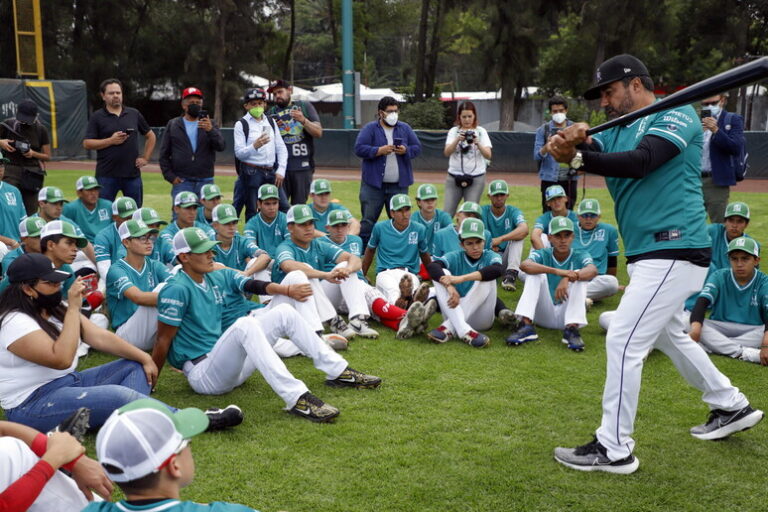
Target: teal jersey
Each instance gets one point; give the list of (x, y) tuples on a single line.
[(173, 228), (576, 260), (267, 235), (460, 264), (601, 242), (236, 305), (121, 277), (503, 224), (162, 251), (170, 505), (320, 253), (665, 209), (90, 221), (542, 222), (398, 249), (7, 260), (197, 310), (321, 219), (201, 218), (107, 244), (238, 254), (67, 282), (439, 221), (731, 302), (352, 244), (11, 211), (447, 240)]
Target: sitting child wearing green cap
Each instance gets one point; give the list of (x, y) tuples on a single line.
[(210, 198), (557, 202), (90, 212), (185, 206), (601, 241), (107, 244), (447, 239), (430, 216), (508, 228), (321, 206)]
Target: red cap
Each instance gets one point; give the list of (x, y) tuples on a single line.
[(191, 91)]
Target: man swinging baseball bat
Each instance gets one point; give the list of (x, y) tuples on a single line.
[(651, 168)]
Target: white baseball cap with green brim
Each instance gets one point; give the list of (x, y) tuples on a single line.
[(553, 192), (737, 209), (139, 437), (472, 228), (746, 244), (558, 224), (426, 191), (589, 206), (210, 191), (224, 214), (339, 217), (51, 195), (31, 226), (320, 186), (86, 183), (185, 199), (497, 187), (469, 207), (299, 214), (399, 201), (134, 229), (268, 191), (193, 240), (124, 207), (148, 215), (62, 227)]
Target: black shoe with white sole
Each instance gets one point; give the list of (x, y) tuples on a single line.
[(219, 419), (592, 457), (312, 408), (351, 378), (722, 424)]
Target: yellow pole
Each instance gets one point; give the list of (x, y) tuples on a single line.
[(38, 40)]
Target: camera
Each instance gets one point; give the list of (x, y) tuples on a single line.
[(705, 112), (22, 146), (469, 136)]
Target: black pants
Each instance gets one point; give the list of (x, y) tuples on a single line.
[(571, 188), (296, 185)]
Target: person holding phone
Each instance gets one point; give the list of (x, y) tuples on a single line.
[(189, 145), (111, 133)]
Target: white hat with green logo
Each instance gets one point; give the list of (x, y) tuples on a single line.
[(498, 187), (224, 214), (589, 206), (62, 227), (339, 217), (148, 215), (192, 240), (268, 191), (31, 226), (553, 192), (86, 183), (558, 224), (472, 228), (134, 229), (299, 214), (210, 191), (124, 207), (737, 209), (320, 186), (399, 201), (746, 244), (51, 195), (426, 191), (469, 207), (185, 199)]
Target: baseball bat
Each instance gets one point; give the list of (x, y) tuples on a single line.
[(725, 81)]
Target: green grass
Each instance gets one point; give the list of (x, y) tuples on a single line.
[(453, 428)]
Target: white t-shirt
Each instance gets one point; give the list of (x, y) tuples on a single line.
[(473, 161), (19, 378)]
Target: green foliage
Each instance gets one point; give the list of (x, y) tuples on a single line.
[(424, 115)]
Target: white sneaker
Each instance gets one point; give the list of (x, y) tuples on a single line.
[(336, 341), (750, 355), (588, 303), (360, 325)]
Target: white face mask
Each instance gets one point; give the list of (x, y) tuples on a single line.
[(391, 118), (715, 109), (558, 118)]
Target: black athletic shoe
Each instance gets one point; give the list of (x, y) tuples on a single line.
[(722, 424), (312, 408), (592, 457), (508, 283), (351, 378), (77, 424), (219, 419)]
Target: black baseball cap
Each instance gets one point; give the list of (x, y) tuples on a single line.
[(31, 266), (257, 93), (26, 111), (278, 84), (615, 69)]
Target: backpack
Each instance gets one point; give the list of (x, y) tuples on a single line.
[(239, 165)]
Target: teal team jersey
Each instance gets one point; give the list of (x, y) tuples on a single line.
[(170, 505), (238, 254), (352, 244), (576, 260), (197, 310), (398, 249), (7, 260), (503, 224), (173, 228), (267, 235), (459, 264), (67, 282), (201, 218), (121, 277), (107, 244), (665, 209), (730, 302), (11, 211), (320, 253), (162, 251), (601, 242), (447, 240), (321, 218), (90, 221), (542, 222), (439, 221)]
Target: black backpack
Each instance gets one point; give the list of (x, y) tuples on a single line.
[(239, 165)]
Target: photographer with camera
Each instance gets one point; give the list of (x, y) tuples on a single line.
[(189, 145), (550, 171), (25, 142), (469, 150)]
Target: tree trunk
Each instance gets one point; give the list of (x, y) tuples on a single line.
[(221, 54), (434, 49), (507, 113), (418, 92), (334, 33), (289, 48)]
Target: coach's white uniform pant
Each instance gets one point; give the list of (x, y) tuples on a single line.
[(730, 338), (475, 309), (388, 282), (59, 493), (247, 347), (512, 255), (536, 304), (602, 286), (650, 315)]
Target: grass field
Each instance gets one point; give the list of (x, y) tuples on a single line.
[(454, 428)]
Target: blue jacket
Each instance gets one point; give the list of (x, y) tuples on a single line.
[(368, 142), (548, 166), (725, 147)]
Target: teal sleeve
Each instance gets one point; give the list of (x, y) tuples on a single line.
[(172, 304)]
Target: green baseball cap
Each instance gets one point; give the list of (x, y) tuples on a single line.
[(746, 244), (426, 191), (399, 201), (3, 160), (472, 228), (185, 199), (192, 240), (86, 183), (62, 227), (124, 207), (320, 186), (148, 215), (558, 224), (589, 206), (553, 192), (210, 191), (224, 214), (133, 229), (299, 214), (497, 187), (737, 209), (31, 226), (469, 207), (268, 191), (51, 195), (339, 217)]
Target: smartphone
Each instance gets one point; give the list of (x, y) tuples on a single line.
[(203, 114), (397, 141), (129, 131), (705, 112)]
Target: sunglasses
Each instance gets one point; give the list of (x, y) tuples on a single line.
[(710, 103), (588, 215)]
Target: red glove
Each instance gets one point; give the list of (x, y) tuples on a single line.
[(95, 299)]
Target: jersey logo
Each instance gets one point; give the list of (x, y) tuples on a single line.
[(354, 248), (103, 215), (413, 238), (753, 302), (218, 296), (600, 235), (10, 199), (507, 225)]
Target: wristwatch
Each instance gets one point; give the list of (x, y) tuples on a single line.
[(578, 161)]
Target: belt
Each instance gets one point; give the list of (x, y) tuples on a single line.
[(260, 167), (199, 359), (706, 174)]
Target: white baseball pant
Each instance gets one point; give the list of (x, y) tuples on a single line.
[(536, 304), (140, 330), (650, 315), (246, 347), (3, 251), (316, 309), (476, 310), (350, 292), (602, 286), (388, 282), (730, 338), (512, 255)]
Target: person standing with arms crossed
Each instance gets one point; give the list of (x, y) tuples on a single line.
[(652, 172)]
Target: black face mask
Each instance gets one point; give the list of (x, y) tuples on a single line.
[(49, 301), (193, 110)]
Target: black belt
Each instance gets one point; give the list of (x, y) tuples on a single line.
[(199, 359), (706, 174), (263, 168)]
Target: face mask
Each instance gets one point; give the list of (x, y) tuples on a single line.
[(558, 118), (47, 302), (193, 109), (391, 118), (256, 112), (715, 109)]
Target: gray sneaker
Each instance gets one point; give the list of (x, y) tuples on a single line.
[(312, 408), (508, 319), (359, 324), (430, 307), (335, 341), (592, 457), (722, 424), (412, 320), (339, 326)]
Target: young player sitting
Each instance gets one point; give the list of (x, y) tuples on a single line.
[(210, 198), (429, 215), (107, 244), (215, 361), (321, 206), (738, 297), (557, 202), (447, 239), (508, 228), (234, 250), (51, 203), (556, 288), (89, 211), (601, 241), (30, 229), (267, 228), (185, 206), (161, 249)]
